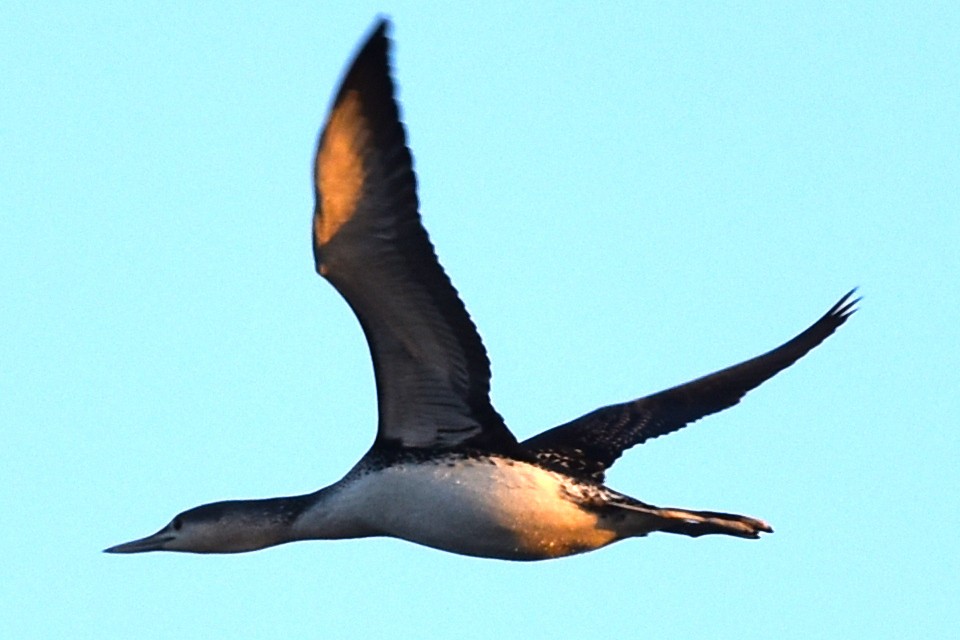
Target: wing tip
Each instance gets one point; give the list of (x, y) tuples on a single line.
[(845, 306), (373, 53), (381, 25)]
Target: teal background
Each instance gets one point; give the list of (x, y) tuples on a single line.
[(627, 196)]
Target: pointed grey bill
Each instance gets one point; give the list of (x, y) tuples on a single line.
[(153, 542)]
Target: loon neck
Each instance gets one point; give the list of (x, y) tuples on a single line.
[(246, 525), (243, 525), (332, 513)]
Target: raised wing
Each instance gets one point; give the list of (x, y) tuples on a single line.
[(432, 372), (592, 443)]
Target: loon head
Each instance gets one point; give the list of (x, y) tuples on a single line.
[(222, 527)]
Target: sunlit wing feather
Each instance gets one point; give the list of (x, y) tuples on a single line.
[(432, 372)]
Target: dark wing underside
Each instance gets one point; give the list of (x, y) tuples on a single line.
[(590, 444), (432, 372)]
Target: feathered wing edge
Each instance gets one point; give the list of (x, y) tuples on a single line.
[(432, 371), (590, 444)]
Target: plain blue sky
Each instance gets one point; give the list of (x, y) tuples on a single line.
[(627, 196)]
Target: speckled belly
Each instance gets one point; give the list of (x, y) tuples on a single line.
[(485, 507)]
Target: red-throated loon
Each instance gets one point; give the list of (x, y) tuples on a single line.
[(444, 470)]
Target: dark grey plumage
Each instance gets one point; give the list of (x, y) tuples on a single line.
[(589, 445)]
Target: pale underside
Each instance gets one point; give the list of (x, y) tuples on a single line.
[(489, 507)]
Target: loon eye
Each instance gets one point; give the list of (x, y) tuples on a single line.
[(177, 524)]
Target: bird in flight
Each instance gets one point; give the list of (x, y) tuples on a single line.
[(444, 470)]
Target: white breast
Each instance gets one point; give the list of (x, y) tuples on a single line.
[(486, 507)]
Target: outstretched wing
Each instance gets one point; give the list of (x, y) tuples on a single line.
[(432, 372), (592, 443)]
